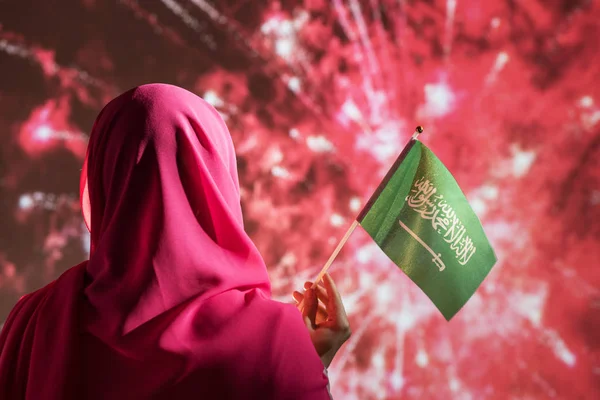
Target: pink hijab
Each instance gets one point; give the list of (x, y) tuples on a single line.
[(174, 302)]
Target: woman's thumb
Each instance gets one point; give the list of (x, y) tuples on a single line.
[(309, 313)]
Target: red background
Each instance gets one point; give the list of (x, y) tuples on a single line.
[(320, 96)]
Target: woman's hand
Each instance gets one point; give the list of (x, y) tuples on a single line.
[(325, 318)]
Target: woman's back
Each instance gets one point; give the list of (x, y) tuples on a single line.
[(257, 359)]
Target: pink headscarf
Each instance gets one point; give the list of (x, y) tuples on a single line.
[(174, 302)]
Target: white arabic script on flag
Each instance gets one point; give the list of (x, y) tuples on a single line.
[(423, 199)]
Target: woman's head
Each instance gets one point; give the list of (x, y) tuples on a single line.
[(171, 126), (160, 195)]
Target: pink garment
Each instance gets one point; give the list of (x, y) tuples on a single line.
[(174, 302)]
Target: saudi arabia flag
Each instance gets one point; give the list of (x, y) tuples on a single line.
[(421, 219)]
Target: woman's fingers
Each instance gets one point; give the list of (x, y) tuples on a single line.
[(321, 291), (321, 309), (297, 296), (335, 307), (309, 311)]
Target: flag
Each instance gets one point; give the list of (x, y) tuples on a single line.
[(422, 221)]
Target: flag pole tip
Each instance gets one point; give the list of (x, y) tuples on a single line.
[(419, 129)]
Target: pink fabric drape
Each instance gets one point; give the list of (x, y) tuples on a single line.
[(174, 302)]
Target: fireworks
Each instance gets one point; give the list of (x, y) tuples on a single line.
[(320, 97)]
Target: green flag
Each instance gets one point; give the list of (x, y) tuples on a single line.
[(421, 219)]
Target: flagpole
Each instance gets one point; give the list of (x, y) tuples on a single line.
[(366, 208), (390, 174)]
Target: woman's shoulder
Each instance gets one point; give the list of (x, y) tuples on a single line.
[(27, 305)]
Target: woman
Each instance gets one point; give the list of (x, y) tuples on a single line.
[(174, 302)]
